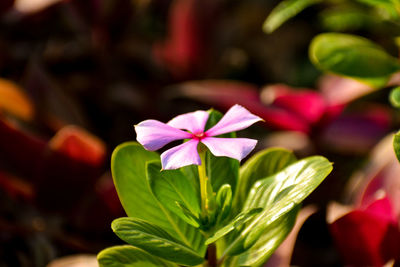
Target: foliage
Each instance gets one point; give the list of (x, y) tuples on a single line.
[(165, 222)]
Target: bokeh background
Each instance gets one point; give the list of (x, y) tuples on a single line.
[(75, 76)]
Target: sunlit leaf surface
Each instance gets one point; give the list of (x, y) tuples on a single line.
[(155, 240), (130, 256)]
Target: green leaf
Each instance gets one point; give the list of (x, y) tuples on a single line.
[(129, 256), (394, 97), (224, 201), (269, 241), (345, 19), (172, 186), (155, 240), (235, 224), (128, 166), (396, 144), (354, 57), (261, 165), (221, 170), (278, 195), (285, 10), (389, 7), (189, 216)]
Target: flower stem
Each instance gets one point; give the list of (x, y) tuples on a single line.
[(203, 184)]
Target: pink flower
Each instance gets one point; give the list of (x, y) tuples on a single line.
[(153, 135)]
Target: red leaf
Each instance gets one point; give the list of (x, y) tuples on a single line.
[(368, 237), (79, 144), (183, 50)]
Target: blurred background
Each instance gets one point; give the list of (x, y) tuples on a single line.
[(75, 76)]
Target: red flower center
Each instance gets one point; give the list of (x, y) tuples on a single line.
[(199, 136)]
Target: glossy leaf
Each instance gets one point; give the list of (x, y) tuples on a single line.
[(128, 166), (353, 56), (394, 97), (261, 165), (235, 224), (396, 145), (155, 240), (129, 256), (188, 216), (278, 195), (284, 11), (224, 201), (172, 186), (269, 241)]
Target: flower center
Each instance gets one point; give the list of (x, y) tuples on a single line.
[(199, 136)]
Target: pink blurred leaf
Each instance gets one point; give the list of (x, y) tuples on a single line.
[(282, 256), (183, 49), (357, 132), (32, 6), (339, 90), (307, 104), (368, 237), (81, 260), (280, 106), (106, 190), (380, 177)]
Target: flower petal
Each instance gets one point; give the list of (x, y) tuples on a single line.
[(236, 118), (237, 148), (180, 156), (193, 121), (154, 134)]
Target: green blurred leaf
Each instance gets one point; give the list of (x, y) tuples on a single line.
[(278, 195), (128, 166), (390, 7), (354, 57), (396, 144), (394, 97), (345, 19), (221, 170), (129, 256), (170, 187), (155, 240), (285, 10), (236, 223), (261, 165)]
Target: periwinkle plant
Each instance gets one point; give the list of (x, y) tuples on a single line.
[(197, 206)]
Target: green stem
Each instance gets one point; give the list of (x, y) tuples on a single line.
[(203, 184)]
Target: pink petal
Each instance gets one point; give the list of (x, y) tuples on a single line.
[(237, 148), (154, 134), (193, 121), (180, 156), (235, 119)]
